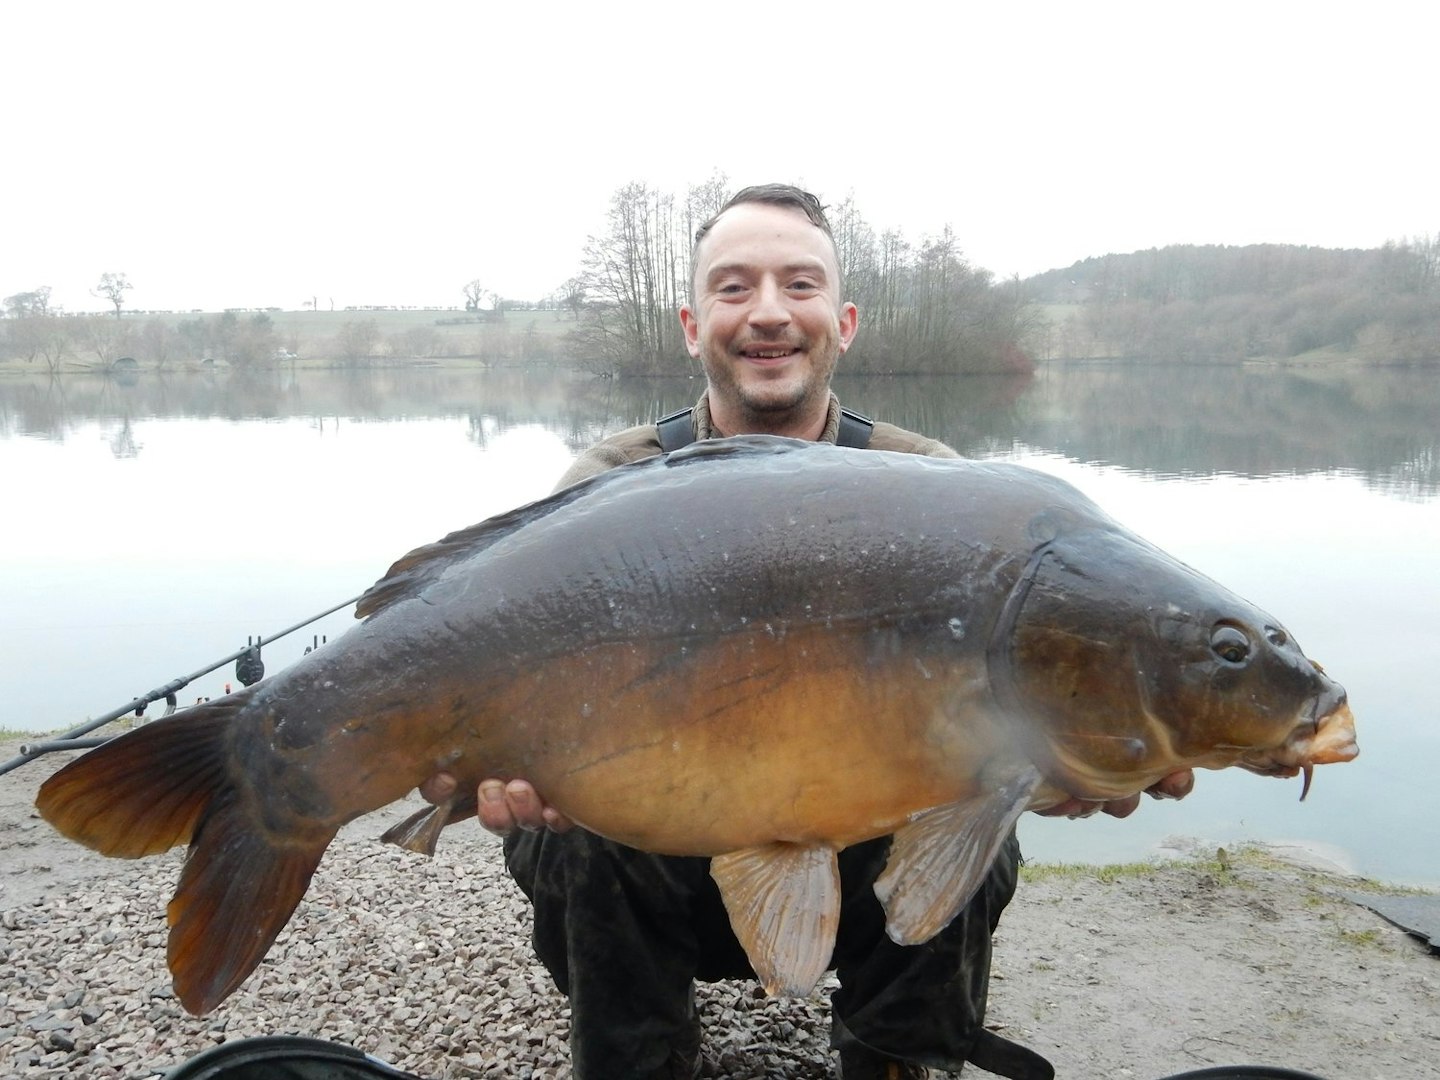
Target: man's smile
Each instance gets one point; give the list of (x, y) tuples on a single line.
[(769, 353)]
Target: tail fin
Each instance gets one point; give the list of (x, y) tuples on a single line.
[(142, 793), (238, 890), (166, 784)]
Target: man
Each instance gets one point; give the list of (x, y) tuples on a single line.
[(625, 933)]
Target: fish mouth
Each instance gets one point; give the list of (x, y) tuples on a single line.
[(1325, 737)]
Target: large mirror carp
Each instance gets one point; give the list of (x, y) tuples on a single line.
[(788, 646)]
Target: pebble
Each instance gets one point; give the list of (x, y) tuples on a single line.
[(427, 965)]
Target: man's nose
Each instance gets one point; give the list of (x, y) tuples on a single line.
[(769, 308)]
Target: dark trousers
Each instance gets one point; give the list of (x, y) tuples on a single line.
[(625, 933)]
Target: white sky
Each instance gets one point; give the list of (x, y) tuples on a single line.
[(263, 153)]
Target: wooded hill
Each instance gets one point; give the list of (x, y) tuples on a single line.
[(1227, 304)]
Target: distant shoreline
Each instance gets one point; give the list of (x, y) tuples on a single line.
[(454, 338)]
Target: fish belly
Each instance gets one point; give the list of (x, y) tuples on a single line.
[(812, 739)]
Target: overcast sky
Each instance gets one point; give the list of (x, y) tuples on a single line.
[(262, 154)]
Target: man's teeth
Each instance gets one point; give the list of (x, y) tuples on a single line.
[(769, 354)]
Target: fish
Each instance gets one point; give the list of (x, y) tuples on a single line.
[(755, 649)]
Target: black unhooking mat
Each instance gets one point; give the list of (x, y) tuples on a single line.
[(1243, 1072), (1416, 914), (283, 1057)]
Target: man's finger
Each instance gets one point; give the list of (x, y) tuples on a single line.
[(494, 811), (438, 788), (555, 821), (525, 806), (1071, 808), (1122, 808), (1175, 786)]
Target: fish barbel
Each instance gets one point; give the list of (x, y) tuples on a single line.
[(788, 646)]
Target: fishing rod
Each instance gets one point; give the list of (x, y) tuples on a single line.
[(74, 739)]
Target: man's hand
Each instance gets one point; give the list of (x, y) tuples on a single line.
[(503, 807), (1175, 786)]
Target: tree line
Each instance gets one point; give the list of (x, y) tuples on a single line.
[(254, 339), (1226, 304), (52, 339), (924, 308)]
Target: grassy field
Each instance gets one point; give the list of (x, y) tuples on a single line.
[(449, 322), (154, 339), (453, 326)]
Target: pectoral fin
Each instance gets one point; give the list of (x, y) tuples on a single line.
[(941, 856), (784, 905)]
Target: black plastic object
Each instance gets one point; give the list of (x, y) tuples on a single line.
[(250, 669), (293, 1057), (1244, 1072), (285, 1057)]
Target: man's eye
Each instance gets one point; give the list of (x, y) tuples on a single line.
[(731, 288), (802, 286)]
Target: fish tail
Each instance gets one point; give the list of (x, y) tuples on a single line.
[(166, 784), (237, 891), (143, 793)]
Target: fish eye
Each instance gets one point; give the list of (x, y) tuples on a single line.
[(1276, 636), (1230, 644)]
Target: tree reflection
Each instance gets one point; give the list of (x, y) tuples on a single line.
[(122, 441), (1381, 424)]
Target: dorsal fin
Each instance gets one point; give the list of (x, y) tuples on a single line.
[(412, 572)]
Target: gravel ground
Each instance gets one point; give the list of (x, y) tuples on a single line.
[(426, 964)]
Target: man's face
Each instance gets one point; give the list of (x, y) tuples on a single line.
[(767, 323)]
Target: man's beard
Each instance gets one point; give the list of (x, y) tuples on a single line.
[(762, 401)]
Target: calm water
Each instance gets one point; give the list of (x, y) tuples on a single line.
[(151, 526)]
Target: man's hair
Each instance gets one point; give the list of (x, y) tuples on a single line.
[(787, 196)]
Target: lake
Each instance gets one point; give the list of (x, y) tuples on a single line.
[(152, 524)]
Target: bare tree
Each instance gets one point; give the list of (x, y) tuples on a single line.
[(240, 342), (54, 341), (157, 341), (1427, 252), (32, 329), (32, 304), (474, 293), (358, 340), (702, 202), (416, 341), (571, 296), (113, 288), (637, 274), (104, 339), (44, 336)]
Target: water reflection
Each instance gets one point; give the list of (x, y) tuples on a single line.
[(1247, 422), (1163, 420), (1192, 421)]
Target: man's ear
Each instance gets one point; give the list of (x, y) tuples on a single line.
[(691, 325), (849, 324)]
